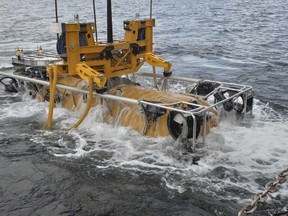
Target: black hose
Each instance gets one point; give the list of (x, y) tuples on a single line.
[(175, 128)]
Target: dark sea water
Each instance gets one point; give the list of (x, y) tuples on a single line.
[(100, 170)]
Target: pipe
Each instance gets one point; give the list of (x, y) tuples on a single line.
[(109, 22), (188, 79), (71, 88)]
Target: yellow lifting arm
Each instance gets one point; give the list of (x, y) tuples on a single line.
[(85, 72), (154, 60)]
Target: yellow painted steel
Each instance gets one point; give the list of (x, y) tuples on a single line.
[(70, 103), (128, 114), (154, 60), (88, 106), (96, 62), (87, 73), (53, 76), (121, 57), (125, 114)]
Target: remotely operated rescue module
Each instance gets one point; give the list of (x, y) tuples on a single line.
[(87, 72)]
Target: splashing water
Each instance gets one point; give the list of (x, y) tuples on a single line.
[(238, 155)]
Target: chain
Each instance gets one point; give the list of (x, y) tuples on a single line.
[(270, 187)]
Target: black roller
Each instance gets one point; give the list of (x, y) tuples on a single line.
[(175, 127), (109, 22)]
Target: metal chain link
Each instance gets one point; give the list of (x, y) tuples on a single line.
[(270, 187)]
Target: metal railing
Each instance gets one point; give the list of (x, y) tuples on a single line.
[(194, 108)]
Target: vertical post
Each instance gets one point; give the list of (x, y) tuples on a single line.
[(56, 15), (53, 75), (95, 24), (194, 133), (109, 22), (245, 98), (204, 127)]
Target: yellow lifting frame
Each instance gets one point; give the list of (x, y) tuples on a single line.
[(53, 76), (89, 104), (111, 66), (154, 60), (86, 72)]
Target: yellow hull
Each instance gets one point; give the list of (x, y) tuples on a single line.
[(130, 115)]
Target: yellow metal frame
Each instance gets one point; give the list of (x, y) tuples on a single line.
[(88, 107), (95, 62), (110, 59), (87, 73), (53, 76), (154, 60)]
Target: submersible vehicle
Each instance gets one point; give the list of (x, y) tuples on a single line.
[(86, 72)]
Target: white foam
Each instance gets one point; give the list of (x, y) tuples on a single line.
[(253, 148), (22, 109), (4, 65), (249, 146)]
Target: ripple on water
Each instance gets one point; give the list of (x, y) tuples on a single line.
[(121, 172)]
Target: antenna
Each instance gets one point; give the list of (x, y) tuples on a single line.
[(95, 24)]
